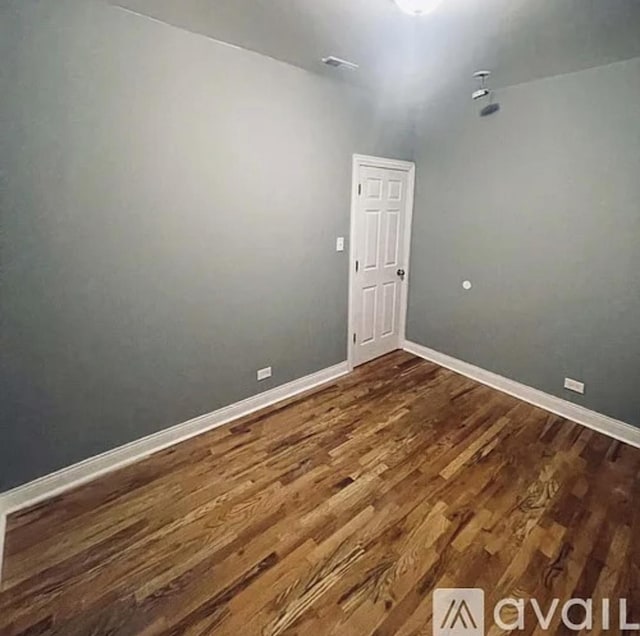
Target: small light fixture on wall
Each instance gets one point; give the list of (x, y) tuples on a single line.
[(492, 107), (483, 91), (417, 7)]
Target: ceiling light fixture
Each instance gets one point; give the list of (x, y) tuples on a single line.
[(417, 7), (483, 91)]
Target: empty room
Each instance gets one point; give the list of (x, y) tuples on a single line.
[(319, 317)]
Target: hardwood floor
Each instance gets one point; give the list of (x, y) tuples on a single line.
[(336, 512)]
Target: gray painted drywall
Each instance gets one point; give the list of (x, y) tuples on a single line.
[(539, 206), (169, 213)]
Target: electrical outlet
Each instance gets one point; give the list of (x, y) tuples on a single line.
[(265, 373), (340, 244), (574, 385)]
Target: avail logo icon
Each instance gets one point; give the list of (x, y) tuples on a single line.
[(458, 612)]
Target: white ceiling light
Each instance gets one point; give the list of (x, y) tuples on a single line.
[(417, 7)]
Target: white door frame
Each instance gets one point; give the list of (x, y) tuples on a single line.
[(395, 164)]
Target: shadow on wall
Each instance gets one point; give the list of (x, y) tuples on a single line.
[(490, 109)]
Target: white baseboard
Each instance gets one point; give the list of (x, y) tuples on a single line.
[(56, 483), (609, 426)]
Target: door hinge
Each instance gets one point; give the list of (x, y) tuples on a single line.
[(354, 338), (357, 266), (359, 189)]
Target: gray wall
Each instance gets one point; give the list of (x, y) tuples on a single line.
[(539, 206), (169, 213)]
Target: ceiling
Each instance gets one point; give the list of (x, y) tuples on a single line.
[(519, 40)]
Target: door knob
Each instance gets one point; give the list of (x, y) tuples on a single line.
[(401, 273)]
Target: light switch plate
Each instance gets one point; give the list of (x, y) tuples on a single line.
[(574, 385), (340, 244)]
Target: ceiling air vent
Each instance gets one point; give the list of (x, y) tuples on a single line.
[(336, 62)]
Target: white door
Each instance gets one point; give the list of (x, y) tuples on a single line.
[(380, 267)]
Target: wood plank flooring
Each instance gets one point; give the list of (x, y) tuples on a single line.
[(337, 512)]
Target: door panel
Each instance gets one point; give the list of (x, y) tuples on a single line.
[(395, 190), (388, 308), (369, 313), (391, 243), (372, 240), (379, 231)]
